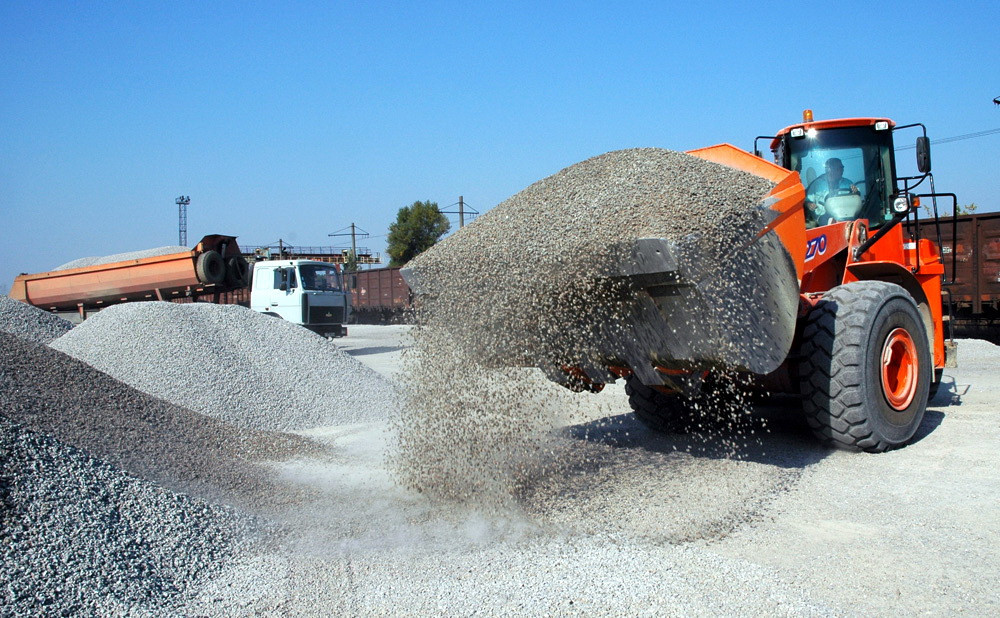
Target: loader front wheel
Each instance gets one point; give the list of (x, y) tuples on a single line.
[(673, 413), (866, 367)]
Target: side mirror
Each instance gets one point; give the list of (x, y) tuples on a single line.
[(923, 155)]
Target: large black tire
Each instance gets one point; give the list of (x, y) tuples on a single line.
[(237, 272), (865, 367), (210, 268), (673, 413)]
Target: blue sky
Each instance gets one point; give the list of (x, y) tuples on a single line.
[(292, 120)]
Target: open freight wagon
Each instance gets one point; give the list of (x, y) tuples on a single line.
[(379, 296), (970, 246)]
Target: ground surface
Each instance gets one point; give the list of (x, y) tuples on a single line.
[(754, 520)]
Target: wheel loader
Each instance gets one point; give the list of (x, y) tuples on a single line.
[(827, 299), (814, 290)]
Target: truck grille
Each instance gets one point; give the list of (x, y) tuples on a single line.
[(326, 315)]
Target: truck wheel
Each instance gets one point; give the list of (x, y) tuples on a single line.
[(210, 268), (865, 367), (660, 411), (236, 272)]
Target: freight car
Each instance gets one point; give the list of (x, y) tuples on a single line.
[(380, 296), (970, 247)]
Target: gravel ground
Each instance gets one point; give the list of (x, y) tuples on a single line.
[(29, 322), (637, 523), (81, 537), (121, 257), (51, 393), (232, 363)]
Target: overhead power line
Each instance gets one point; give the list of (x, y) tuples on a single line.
[(956, 138)]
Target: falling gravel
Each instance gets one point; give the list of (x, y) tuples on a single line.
[(121, 257), (526, 285), (228, 362), (81, 537), (29, 322)]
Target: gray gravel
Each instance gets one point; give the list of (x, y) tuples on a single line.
[(121, 257), (231, 363), (81, 537), (645, 524), (51, 393), (30, 322)]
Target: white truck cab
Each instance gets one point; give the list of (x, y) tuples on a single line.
[(304, 292)]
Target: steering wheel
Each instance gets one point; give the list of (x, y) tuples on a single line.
[(839, 192)]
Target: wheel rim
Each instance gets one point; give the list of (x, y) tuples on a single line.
[(899, 369)]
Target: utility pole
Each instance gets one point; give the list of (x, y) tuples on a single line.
[(182, 219), (354, 233), (462, 209)]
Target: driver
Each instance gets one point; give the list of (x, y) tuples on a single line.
[(829, 184)]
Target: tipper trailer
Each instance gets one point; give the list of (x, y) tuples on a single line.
[(213, 266)]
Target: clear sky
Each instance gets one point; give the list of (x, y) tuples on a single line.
[(294, 119)]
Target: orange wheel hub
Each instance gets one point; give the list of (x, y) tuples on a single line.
[(899, 369)]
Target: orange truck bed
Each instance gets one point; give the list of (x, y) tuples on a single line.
[(162, 277)]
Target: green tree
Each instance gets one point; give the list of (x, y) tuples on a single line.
[(416, 229), (350, 261)]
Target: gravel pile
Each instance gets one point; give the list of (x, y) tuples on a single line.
[(80, 537), (229, 362), (29, 322), (531, 278), (121, 257), (48, 392)]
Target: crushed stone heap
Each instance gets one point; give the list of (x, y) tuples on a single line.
[(47, 391), (81, 537), (29, 322), (229, 362)]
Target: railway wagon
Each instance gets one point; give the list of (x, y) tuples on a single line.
[(970, 247), (379, 296)]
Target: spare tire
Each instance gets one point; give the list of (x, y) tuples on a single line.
[(236, 272), (210, 268)]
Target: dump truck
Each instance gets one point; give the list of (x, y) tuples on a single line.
[(304, 292), (823, 295), (215, 265)]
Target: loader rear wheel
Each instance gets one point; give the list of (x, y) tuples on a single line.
[(659, 411), (866, 367), (210, 268)]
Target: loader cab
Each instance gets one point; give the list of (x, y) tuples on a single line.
[(846, 166)]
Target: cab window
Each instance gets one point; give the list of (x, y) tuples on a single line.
[(844, 172)]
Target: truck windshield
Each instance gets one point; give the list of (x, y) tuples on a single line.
[(319, 277), (846, 173)]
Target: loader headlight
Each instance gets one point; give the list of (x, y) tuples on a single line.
[(902, 204)]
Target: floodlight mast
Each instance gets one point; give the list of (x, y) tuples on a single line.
[(182, 219)]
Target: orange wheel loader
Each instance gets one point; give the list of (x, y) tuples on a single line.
[(835, 302)]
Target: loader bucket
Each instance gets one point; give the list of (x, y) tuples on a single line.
[(700, 300), (737, 313), (691, 314)]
